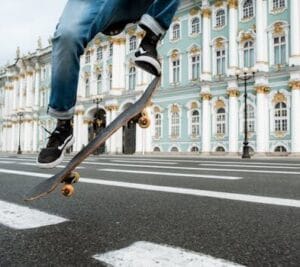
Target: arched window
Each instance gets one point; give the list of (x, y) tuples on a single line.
[(87, 86), (221, 121), (176, 69), (280, 50), (132, 78), (278, 4), (175, 124), (132, 43), (194, 149), (248, 54), (111, 49), (220, 149), (195, 25), (220, 60), (156, 149), (99, 83), (248, 9), (158, 125), (174, 149), (176, 32), (87, 57), (220, 18), (99, 53), (280, 117), (195, 61), (280, 149), (195, 123)]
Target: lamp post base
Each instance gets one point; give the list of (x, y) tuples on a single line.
[(246, 154), (19, 150)]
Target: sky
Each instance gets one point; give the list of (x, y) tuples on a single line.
[(23, 21)]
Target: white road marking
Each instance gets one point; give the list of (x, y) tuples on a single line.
[(145, 161), (20, 217), (176, 190), (192, 168), (58, 166), (248, 166), (142, 254), (175, 174), (6, 162)]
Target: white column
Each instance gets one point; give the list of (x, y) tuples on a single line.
[(206, 122), (35, 136), (37, 88), (113, 138), (295, 118), (29, 90), (233, 119), (15, 94), (295, 32), (76, 132), (118, 65), (108, 121), (262, 119), (21, 91), (84, 130), (233, 31), (80, 129), (262, 53), (206, 54)]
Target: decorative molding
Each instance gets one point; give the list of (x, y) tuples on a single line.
[(262, 89), (194, 11), (206, 13), (233, 4), (278, 98), (219, 104), (112, 107), (206, 96), (233, 92), (119, 41), (294, 85), (175, 108)]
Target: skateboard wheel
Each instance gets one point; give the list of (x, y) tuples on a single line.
[(144, 122), (67, 190), (75, 177)]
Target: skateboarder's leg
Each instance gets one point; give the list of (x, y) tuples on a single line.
[(155, 22), (80, 22)]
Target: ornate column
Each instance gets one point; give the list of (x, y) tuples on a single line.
[(114, 143), (233, 31), (295, 32), (29, 77), (37, 86), (75, 131), (206, 121), (262, 119), (35, 133), (206, 54), (15, 93), (295, 118), (27, 135), (118, 65), (233, 94), (21, 91), (262, 53)]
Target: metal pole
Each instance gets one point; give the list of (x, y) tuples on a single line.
[(246, 154), (19, 147)]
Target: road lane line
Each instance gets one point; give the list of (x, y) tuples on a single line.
[(20, 217), (174, 174), (7, 162), (150, 254), (144, 161), (58, 166), (193, 168), (248, 166), (177, 190)]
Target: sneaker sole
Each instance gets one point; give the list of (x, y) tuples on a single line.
[(144, 59), (53, 164)]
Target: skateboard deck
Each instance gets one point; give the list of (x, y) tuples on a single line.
[(67, 175)]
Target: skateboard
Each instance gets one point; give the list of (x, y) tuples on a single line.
[(68, 176)]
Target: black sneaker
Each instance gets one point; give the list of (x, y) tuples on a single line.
[(146, 56), (59, 140)]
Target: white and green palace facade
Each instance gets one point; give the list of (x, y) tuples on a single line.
[(199, 105)]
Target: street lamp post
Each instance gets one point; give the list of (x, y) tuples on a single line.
[(20, 115), (245, 75)]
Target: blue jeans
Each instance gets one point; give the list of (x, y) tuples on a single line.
[(80, 22)]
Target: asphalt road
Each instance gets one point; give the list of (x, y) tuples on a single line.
[(245, 212)]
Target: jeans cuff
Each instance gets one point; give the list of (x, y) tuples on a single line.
[(61, 115), (152, 24)]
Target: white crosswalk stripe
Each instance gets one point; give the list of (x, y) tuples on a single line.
[(149, 254), (22, 217)]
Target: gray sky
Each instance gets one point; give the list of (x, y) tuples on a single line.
[(23, 21)]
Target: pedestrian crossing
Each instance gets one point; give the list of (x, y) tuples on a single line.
[(23, 217)]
